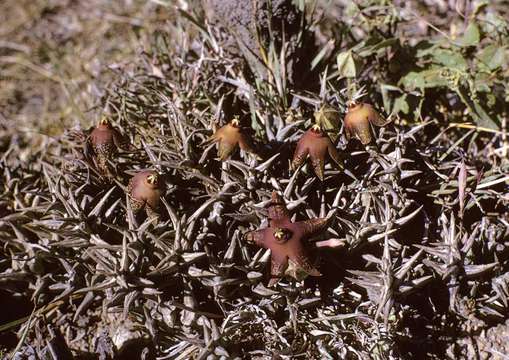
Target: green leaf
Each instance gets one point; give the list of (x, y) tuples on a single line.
[(346, 65), (450, 59), (483, 119), (401, 105), (471, 37), (329, 120), (492, 56), (370, 49), (321, 55), (13, 324), (257, 127), (423, 79), (385, 89), (425, 48), (480, 116), (483, 82)]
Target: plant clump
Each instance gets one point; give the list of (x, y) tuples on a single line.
[(402, 252)]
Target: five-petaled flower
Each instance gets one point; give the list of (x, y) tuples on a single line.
[(358, 119), (145, 193), (315, 144), (228, 137), (285, 239)]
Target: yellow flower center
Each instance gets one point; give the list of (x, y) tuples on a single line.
[(152, 179), (351, 104), (282, 235), (316, 128), (279, 233), (104, 121)]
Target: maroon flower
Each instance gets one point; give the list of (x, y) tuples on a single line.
[(228, 137), (104, 141), (285, 240), (315, 144), (357, 121), (144, 193)]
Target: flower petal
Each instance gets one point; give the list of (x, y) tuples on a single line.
[(335, 156), (257, 237), (311, 227), (300, 155)]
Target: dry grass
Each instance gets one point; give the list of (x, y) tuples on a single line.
[(57, 57)]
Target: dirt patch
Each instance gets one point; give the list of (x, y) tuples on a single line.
[(56, 56)]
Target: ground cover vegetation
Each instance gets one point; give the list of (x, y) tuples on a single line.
[(254, 180)]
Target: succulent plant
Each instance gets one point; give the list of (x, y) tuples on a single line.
[(423, 222)]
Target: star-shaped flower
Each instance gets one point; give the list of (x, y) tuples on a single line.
[(357, 120), (316, 144), (145, 193), (104, 141), (285, 240), (228, 137)]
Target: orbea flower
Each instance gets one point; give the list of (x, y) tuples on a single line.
[(357, 121), (145, 193), (315, 144), (104, 141), (285, 239), (228, 137)]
